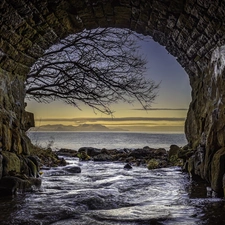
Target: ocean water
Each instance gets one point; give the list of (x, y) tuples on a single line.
[(108, 140)]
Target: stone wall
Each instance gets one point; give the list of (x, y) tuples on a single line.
[(14, 144), (205, 124), (12, 115)]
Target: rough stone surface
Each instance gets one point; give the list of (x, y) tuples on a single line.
[(11, 163), (1, 166), (192, 31), (217, 171)]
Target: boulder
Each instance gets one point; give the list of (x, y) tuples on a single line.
[(73, 169), (142, 153), (217, 171), (67, 152), (153, 164), (90, 151), (11, 163), (173, 155), (103, 157), (83, 156), (174, 151), (127, 166)]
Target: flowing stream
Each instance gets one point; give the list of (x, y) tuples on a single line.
[(105, 193)]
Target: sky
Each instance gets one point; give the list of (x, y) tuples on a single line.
[(168, 111)]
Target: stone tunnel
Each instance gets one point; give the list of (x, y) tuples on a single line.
[(193, 31)]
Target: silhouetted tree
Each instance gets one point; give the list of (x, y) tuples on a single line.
[(97, 67)]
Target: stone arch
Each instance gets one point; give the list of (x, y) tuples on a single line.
[(191, 31)]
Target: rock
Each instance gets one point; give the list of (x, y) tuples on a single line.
[(174, 151), (33, 170), (148, 153), (11, 163), (35, 160), (67, 152), (142, 153), (217, 171), (90, 151), (46, 157), (160, 152), (83, 156), (224, 184), (153, 164), (103, 157), (128, 166), (191, 167), (1, 166), (9, 185), (73, 169), (173, 155)]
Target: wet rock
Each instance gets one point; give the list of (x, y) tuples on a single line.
[(83, 156), (46, 157), (148, 153), (153, 164), (173, 155), (35, 160), (67, 152), (191, 167), (217, 171), (141, 153), (102, 157), (174, 151), (9, 185), (127, 166), (73, 169), (33, 169), (90, 151)]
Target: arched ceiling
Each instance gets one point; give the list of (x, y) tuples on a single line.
[(189, 29)]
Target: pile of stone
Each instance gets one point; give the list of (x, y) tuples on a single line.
[(146, 156)]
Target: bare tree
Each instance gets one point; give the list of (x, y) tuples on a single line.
[(97, 67)]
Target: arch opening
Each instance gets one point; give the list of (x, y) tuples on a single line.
[(157, 65)]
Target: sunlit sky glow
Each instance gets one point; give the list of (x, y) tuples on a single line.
[(168, 110)]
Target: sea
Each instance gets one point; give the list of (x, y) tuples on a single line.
[(105, 193), (108, 140)]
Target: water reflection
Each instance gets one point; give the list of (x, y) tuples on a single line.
[(105, 193)]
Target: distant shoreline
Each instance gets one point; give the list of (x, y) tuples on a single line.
[(110, 131)]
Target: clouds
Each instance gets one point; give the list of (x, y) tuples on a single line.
[(163, 109), (105, 119), (143, 124)]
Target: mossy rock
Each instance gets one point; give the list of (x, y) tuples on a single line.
[(153, 164), (175, 161), (83, 156), (11, 163), (47, 157)]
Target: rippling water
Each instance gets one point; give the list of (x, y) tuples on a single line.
[(104, 193), (109, 140)]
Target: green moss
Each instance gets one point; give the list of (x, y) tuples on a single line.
[(175, 161), (153, 164), (83, 156)]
